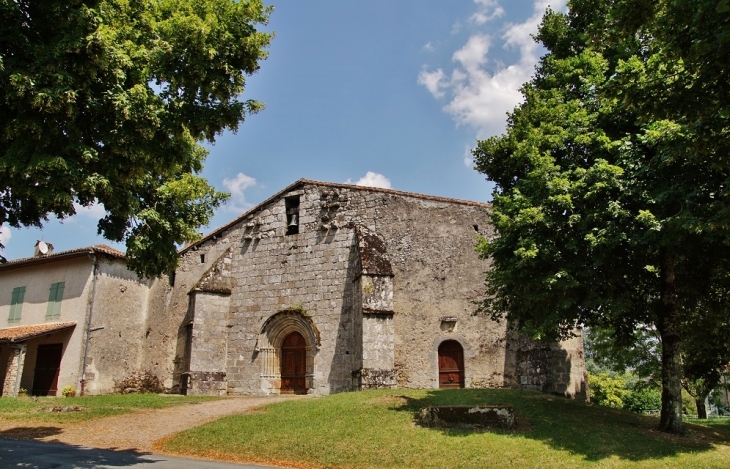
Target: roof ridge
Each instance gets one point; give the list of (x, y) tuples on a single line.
[(101, 248), (301, 181), (417, 195)]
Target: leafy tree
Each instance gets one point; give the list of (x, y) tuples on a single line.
[(610, 207), (107, 101), (640, 353), (641, 400)]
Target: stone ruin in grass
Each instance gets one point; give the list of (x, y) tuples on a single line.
[(468, 416)]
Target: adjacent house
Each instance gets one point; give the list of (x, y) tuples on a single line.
[(64, 316), (321, 288)]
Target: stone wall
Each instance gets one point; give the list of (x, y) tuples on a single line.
[(209, 343), (15, 361), (310, 272), (118, 325), (160, 339), (555, 368), (328, 279), (378, 357), (168, 307)]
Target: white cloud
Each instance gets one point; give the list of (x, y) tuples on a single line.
[(487, 10), (433, 81), (372, 179), (468, 158), (480, 98), (429, 47), (237, 186), (5, 235)]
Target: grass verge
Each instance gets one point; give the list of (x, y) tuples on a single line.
[(36, 410), (375, 429)]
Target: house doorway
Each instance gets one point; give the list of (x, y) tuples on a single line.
[(293, 364), (47, 366), (451, 365)]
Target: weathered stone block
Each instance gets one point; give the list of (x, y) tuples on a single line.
[(468, 416)]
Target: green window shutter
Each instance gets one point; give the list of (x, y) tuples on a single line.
[(16, 304), (51, 301), (59, 297), (54, 301)]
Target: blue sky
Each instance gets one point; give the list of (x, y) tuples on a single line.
[(387, 93)]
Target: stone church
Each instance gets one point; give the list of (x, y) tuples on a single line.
[(326, 287), (322, 288)]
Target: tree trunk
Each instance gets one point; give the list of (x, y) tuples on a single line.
[(701, 410), (668, 324)]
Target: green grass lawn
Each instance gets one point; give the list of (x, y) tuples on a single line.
[(376, 429), (28, 409)]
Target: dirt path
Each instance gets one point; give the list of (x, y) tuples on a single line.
[(134, 431)]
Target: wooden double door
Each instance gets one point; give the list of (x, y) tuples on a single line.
[(451, 364), (294, 364), (47, 367)]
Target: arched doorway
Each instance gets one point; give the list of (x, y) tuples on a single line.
[(294, 364), (451, 364)]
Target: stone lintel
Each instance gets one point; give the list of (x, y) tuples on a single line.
[(211, 289), (370, 311)]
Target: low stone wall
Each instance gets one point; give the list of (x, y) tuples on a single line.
[(369, 378), (206, 383), (468, 416)]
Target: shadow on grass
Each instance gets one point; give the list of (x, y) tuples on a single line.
[(30, 433), (36, 454), (588, 430)]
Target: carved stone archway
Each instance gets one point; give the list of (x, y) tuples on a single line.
[(269, 343)]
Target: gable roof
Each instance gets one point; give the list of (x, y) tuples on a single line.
[(311, 182), (79, 252)]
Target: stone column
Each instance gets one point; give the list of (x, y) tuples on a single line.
[(14, 371), (378, 355), (374, 313), (207, 373)]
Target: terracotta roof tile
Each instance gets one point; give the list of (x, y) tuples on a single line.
[(22, 333), (98, 248)]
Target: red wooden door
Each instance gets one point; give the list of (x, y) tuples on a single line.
[(47, 365), (294, 364), (451, 365)]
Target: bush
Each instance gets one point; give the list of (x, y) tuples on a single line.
[(643, 400), (689, 406), (139, 382), (607, 390)]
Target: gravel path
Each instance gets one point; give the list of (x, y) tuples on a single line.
[(134, 431)]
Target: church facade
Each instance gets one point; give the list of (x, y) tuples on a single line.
[(328, 287)]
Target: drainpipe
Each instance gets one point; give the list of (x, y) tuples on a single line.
[(88, 325)]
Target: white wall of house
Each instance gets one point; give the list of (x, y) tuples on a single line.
[(116, 303), (37, 279)]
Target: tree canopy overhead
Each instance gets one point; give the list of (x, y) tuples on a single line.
[(611, 201), (107, 101)]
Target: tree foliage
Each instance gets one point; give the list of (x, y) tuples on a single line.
[(607, 390), (107, 101), (640, 354), (642, 400), (611, 184)]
